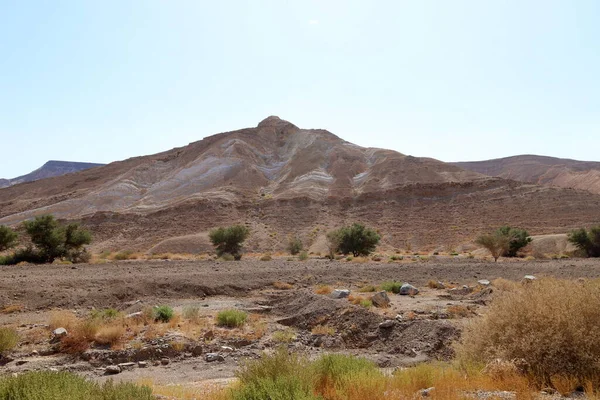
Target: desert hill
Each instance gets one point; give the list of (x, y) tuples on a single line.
[(541, 170), (281, 180), (48, 170)]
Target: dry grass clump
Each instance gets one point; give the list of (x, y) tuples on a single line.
[(549, 326), (324, 289), (360, 301), (62, 319), (323, 330), (231, 318), (12, 308), (505, 285), (459, 311), (9, 338), (284, 336), (80, 337), (109, 335), (435, 285), (367, 289), (282, 285)]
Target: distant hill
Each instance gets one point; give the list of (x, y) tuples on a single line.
[(541, 170), (50, 169), (281, 180)]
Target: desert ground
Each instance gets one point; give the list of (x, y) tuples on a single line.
[(288, 302)]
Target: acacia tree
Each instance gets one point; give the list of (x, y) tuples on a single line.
[(355, 239), (52, 240), (517, 239), (229, 240), (295, 245), (8, 238), (588, 241), (496, 243)]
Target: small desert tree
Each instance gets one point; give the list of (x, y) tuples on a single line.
[(355, 239), (496, 243), (229, 240), (587, 241), (8, 238), (517, 239), (295, 245)]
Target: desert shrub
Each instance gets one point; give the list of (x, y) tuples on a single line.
[(295, 245), (109, 335), (497, 244), (191, 313), (517, 239), (303, 256), (587, 241), (107, 314), (337, 370), (284, 336), (9, 338), (432, 284), (366, 303), (65, 385), (231, 318), (550, 326), (8, 238), (229, 240), (80, 336), (227, 257), (163, 313), (123, 255), (282, 285), (324, 289), (26, 254), (266, 257), (391, 286), (323, 330), (367, 288), (396, 258), (355, 239)]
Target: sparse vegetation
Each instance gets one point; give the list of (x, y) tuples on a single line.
[(282, 285), (231, 318), (284, 336), (355, 239), (587, 241), (497, 244), (367, 289), (505, 241), (266, 257), (65, 385), (391, 286), (9, 338), (324, 289), (163, 313), (295, 245), (8, 238), (229, 240), (323, 330), (303, 256)]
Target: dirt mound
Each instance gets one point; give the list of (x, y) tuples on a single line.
[(357, 327)]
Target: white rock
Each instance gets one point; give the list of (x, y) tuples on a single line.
[(408, 289), (483, 282), (340, 293), (388, 323), (59, 332)]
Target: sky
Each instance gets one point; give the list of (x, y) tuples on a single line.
[(100, 81)]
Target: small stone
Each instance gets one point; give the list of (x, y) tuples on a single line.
[(389, 323), (227, 349), (134, 315), (210, 357), (21, 362), (483, 282), (426, 392), (529, 278), (380, 299), (127, 365), (112, 370), (399, 317), (340, 293), (165, 361), (59, 332), (408, 289), (142, 364)]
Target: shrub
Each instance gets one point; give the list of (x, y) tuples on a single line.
[(231, 318), (303, 256), (367, 288), (106, 314), (517, 239), (285, 336), (587, 241), (9, 338), (266, 257), (163, 313), (295, 245), (323, 330), (337, 370), (227, 257), (324, 289), (282, 285), (549, 325), (8, 238), (497, 244), (80, 336), (191, 313), (391, 286), (109, 335), (229, 240), (355, 239), (65, 385)]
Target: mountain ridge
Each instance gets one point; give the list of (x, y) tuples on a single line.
[(50, 169)]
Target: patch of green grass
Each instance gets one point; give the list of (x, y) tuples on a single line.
[(367, 289), (391, 286), (231, 318), (45, 385), (284, 336), (106, 314), (303, 256), (163, 313), (366, 303), (9, 338)]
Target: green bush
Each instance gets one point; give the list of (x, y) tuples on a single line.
[(391, 286), (231, 318), (587, 241), (336, 369), (163, 313), (106, 314), (8, 238), (355, 239), (295, 245), (229, 240), (495, 243), (9, 338), (65, 385), (303, 256), (517, 239)]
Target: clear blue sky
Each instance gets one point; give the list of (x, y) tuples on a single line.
[(455, 80)]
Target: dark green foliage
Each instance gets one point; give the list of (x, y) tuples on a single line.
[(163, 313), (517, 239), (587, 241), (355, 239), (496, 243), (43, 385), (295, 245), (8, 238), (229, 240)]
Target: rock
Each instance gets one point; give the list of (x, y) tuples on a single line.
[(127, 365), (210, 335), (440, 285), (380, 299), (21, 362), (142, 364), (165, 361), (59, 332), (528, 278), (483, 282), (134, 315), (112, 370), (227, 349), (388, 323), (399, 317), (340, 293), (408, 289), (210, 357), (426, 392)]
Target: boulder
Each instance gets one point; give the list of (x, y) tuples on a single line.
[(528, 278), (388, 323), (380, 299), (210, 357), (112, 370), (340, 293), (59, 332), (408, 289), (483, 282)]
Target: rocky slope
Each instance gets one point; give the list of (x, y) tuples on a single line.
[(48, 170), (541, 170), (282, 180)]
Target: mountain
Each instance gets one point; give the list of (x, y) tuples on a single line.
[(541, 170), (48, 170), (282, 180)]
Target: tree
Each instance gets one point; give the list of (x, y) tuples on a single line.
[(229, 240), (517, 237), (8, 238), (497, 243), (589, 242), (295, 245), (355, 239)]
